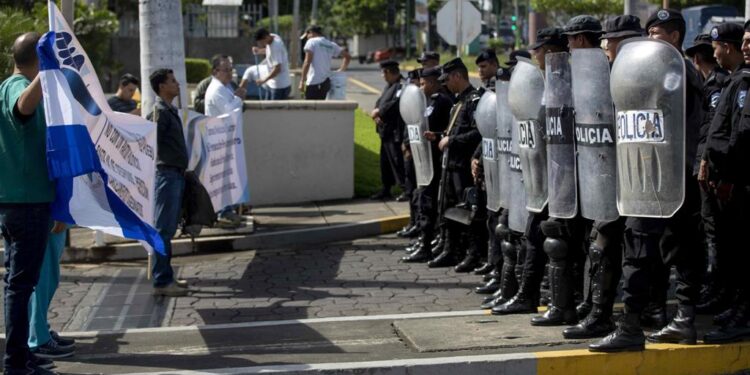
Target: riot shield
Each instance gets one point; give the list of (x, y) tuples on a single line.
[(525, 98), (648, 88), (518, 215), (412, 107), (504, 144), (595, 135), (561, 152), (486, 120)]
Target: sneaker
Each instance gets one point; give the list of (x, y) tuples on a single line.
[(170, 290), (44, 363), (51, 350), (62, 342), (181, 283)]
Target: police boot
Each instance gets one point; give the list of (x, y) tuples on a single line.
[(544, 290), (414, 244), (422, 253), (488, 302), (521, 303), (489, 287), (722, 318), (484, 269), (508, 283), (449, 256), (561, 310), (654, 316), (407, 229), (715, 301), (735, 329), (439, 246), (477, 246), (681, 330), (598, 323), (628, 336), (410, 232)]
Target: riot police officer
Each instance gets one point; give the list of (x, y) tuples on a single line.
[(723, 172), (458, 144), (674, 237), (410, 179), (390, 128), (605, 249), (437, 112)]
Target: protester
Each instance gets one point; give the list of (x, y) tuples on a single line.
[(220, 100), (171, 162), (277, 60), (25, 196), (123, 101), (316, 69)]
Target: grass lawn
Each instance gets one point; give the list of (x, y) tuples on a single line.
[(366, 155)]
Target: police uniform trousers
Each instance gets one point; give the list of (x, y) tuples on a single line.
[(494, 251), (425, 199), (735, 223), (715, 223), (605, 261), (391, 164), (565, 245), (531, 256), (675, 241)]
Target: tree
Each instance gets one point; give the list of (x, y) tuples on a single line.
[(679, 4), (162, 45), (593, 7), (15, 22)]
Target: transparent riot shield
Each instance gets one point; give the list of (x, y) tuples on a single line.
[(648, 88), (412, 107), (595, 135)]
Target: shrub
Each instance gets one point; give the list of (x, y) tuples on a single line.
[(14, 23), (197, 69)]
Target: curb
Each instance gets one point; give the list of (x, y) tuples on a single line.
[(657, 359), (256, 241)]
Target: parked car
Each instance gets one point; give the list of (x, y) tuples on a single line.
[(390, 53), (697, 17)]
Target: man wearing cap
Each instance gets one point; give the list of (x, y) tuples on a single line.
[(616, 30), (583, 32), (429, 59), (438, 109), (460, 140), (390, 128), (675, 240), (316, 69), (724, 173), (487, 65), (530, 253), (605, 249), (715, 296), (410, 177)]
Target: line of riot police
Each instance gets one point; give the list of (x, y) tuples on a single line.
[(558, 179)]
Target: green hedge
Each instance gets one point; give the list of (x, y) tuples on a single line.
[(197, 69)]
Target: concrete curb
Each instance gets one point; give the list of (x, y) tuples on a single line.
[(657, 359), (256, 241)]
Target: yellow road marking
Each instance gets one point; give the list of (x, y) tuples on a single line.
[(364, 86)]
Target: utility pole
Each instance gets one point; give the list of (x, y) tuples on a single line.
[(273, 9), (294, 44), (747, 10), (407, 26), (665, 4), (314, 13), (67, 9), (630, 7)]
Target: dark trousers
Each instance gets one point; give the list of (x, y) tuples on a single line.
[(426, 200), (533, 256), (25, 228), (410, 175), (170, 185), (607, 237), (494, 253), (319, 91), (675, 241), (734, 260), (391, 164)]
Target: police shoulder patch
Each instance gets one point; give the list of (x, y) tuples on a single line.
[(715, 99), (741, 98)]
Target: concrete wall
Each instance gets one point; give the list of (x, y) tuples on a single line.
[(299, 151)]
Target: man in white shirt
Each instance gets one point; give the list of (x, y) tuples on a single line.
[(319, 52), (221, 99), (277, 60)]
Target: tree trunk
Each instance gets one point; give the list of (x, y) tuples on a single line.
[(162, 46)]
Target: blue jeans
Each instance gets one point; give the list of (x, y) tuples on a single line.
[(280, 94), (49, 280), (25, 228), (170, 184)]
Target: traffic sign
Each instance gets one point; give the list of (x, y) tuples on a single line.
[(459, 22)]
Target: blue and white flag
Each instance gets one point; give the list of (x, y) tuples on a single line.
[(103, 162)]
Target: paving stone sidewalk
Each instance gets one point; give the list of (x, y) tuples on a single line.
[(363, 277)]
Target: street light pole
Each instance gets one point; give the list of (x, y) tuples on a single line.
[(67, 9), (630, 7)]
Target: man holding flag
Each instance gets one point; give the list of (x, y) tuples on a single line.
[(25, 196)]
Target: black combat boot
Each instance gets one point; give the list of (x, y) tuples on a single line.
[(627, 337), (449, 257), (654, 316), (439, 246), (407, 229), (422, 253), (561, 310), (723, 317), (508, 283), (681, 330), (414, 245), (735, 329), (484, 269), (471, 260), (489, 287), (598, 323)]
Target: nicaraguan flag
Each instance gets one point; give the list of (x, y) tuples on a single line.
[(103, 162)]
